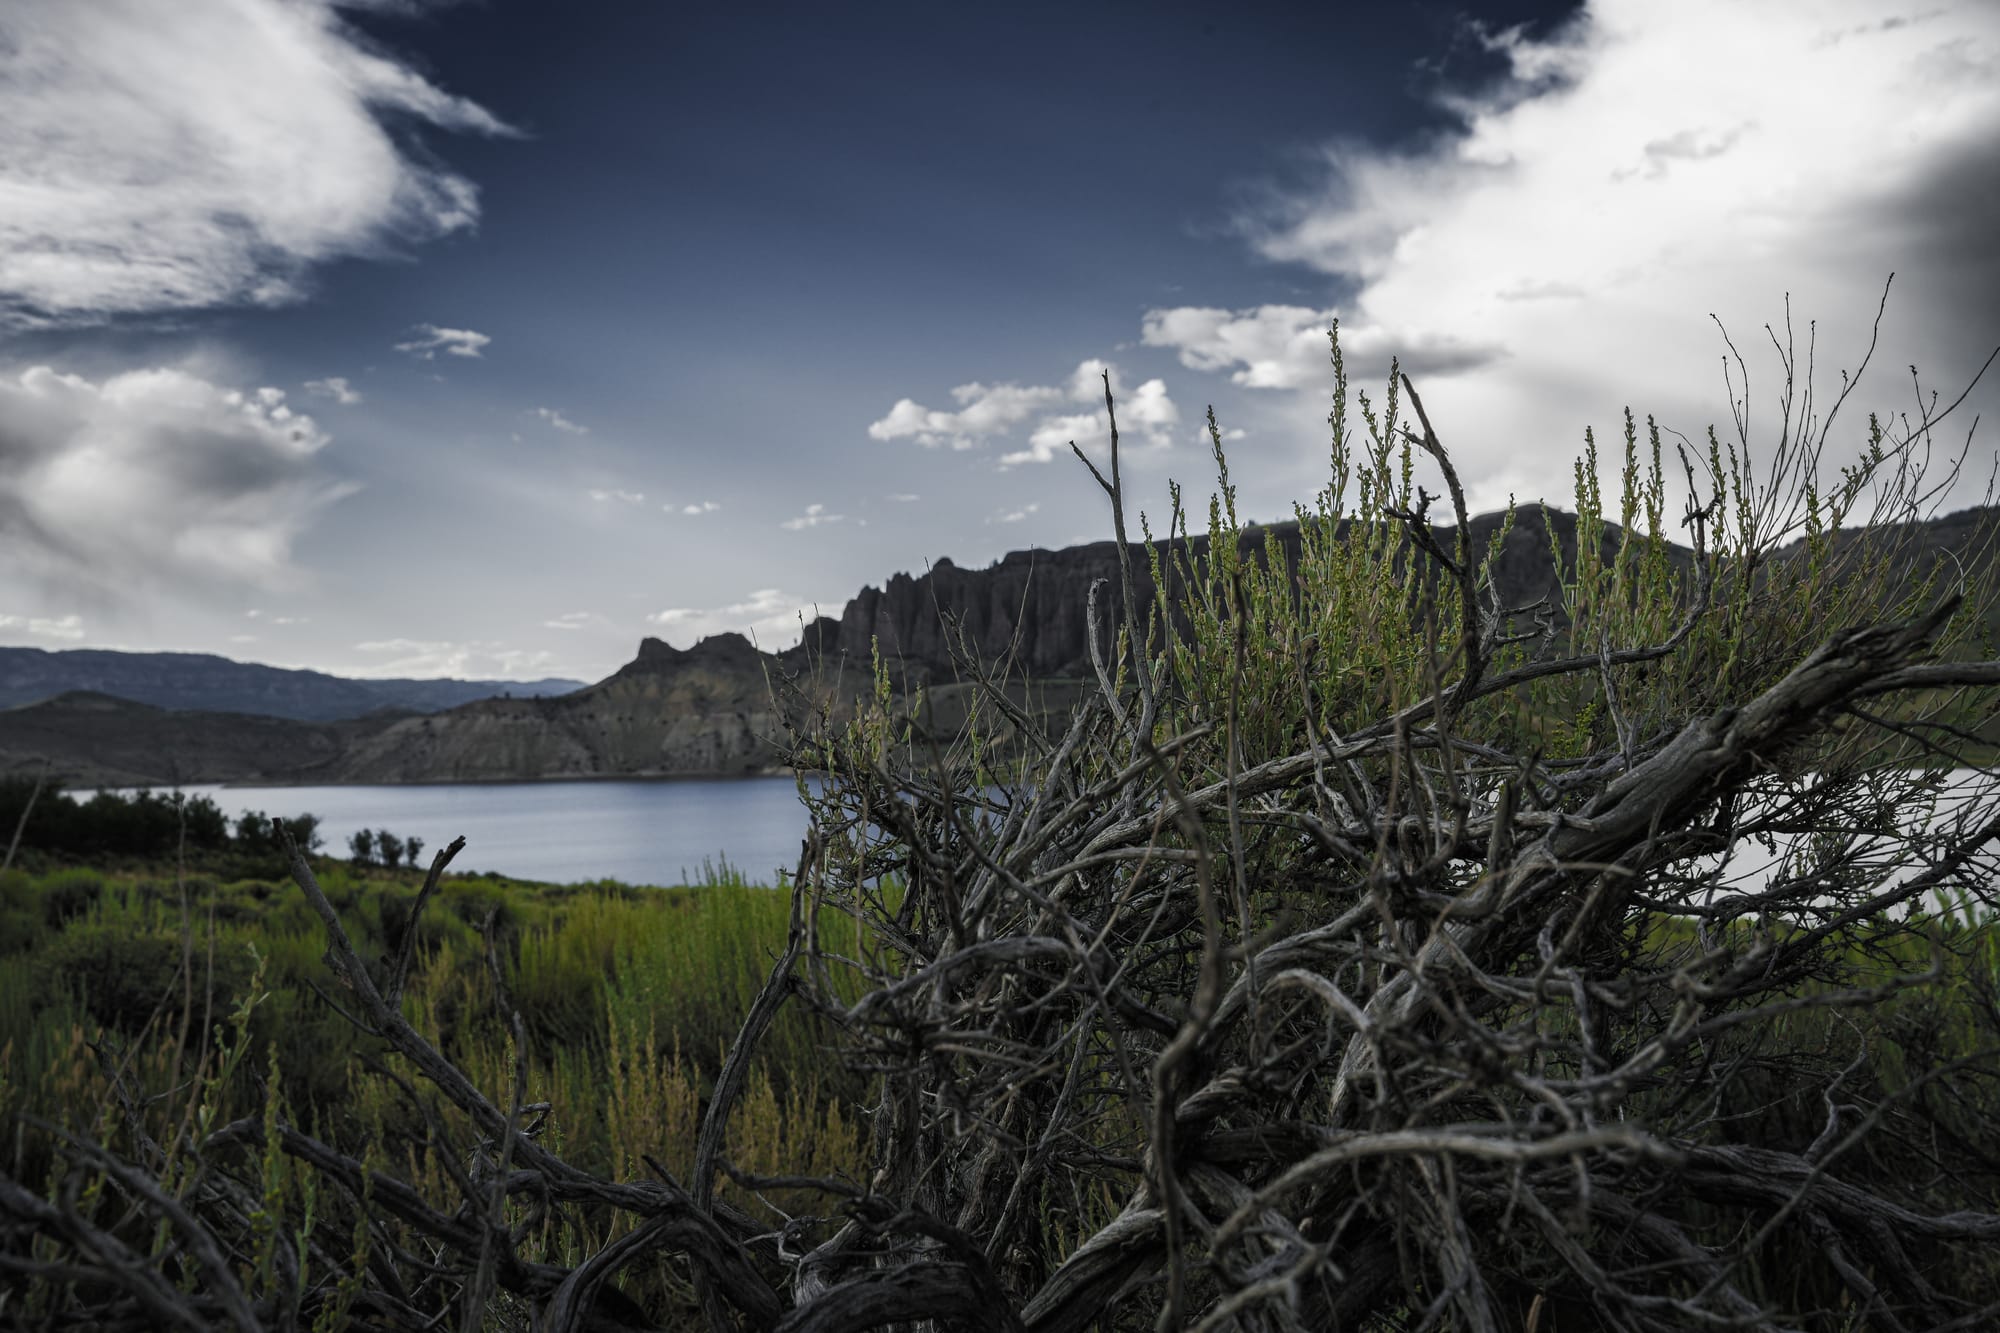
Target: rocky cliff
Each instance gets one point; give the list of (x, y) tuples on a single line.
[(704, 710), (1038, 597)]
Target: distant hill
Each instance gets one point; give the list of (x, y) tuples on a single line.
[(207, 683), (95, 740)]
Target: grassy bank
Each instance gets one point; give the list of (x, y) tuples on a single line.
[(196, 998)]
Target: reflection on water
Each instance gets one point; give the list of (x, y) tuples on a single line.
[(658, 832), (1893, 825)]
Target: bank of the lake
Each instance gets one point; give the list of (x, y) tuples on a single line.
[(566, 832)]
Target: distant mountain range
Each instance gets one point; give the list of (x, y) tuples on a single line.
[(207, 683), (703, 710)]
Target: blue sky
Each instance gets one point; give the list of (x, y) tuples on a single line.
[(483, 339)]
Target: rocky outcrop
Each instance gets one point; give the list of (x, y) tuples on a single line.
[(706, 710)]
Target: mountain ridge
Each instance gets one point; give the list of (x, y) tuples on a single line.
[(709, 709), (209, 682)]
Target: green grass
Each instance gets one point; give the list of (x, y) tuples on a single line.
[(629, 998)]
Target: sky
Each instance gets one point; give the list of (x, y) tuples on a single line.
[(483, 339)]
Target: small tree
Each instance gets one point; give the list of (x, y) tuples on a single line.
[(303, 830), (388, 848), (362, 846), (413, 848), (255, 832)]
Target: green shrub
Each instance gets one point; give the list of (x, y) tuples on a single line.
[(124, 978), (68, 894)]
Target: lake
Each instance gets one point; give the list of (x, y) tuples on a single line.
[(641, 832), (663, 831)]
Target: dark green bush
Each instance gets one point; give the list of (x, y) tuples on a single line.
[(123, 977), (68, 894)]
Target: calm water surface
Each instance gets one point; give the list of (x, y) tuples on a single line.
[(657, 832), (663, 831)]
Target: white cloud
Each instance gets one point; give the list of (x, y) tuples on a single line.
[(1054, 434), (431, 340), (903, 498), (336, 388), (1146, 412), (1558, 258), (205, 153), (814, 516), (51, 627), (432, 659), (61, 627), (982, 410), (995, 409), (622, 497), (768, 615), (1270, 347), (255, 614), (570, 620), (1016, 515), (700, 507), (561, 422), (152, 479)]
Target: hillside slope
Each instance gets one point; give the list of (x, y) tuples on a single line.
[(207, 683), (95, 740)]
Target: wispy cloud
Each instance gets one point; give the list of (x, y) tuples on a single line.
[(1558, 257), (1286, 347), (430, 340), (814, 516), (1016, 515), (336, 388), (433, 659), (255, 614), (205, 153), (903, 498), (622, 497), (152, 478), (571, 620), (769, 615), (561, 422), (694, 507), (67, 627)]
